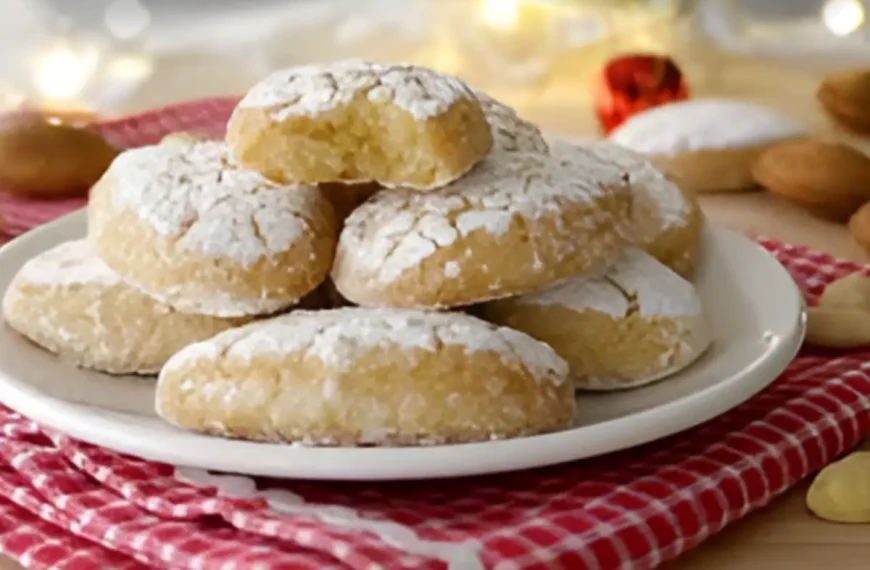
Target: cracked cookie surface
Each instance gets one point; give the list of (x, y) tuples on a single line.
[(357, 121), (67, 301), (189, 227), (666, 220), (357, 376), (635, 323), (510, 132), (518, 222)]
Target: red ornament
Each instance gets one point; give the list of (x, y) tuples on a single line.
[(633, 83)]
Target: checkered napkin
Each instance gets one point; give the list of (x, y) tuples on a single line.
[(66, 505)]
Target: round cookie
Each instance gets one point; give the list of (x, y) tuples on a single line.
[(67, 301), (637, 323), (186, 226), (667, 220), (357, 121), (518, 222), (509, 131), (367, 377), (706, 145)]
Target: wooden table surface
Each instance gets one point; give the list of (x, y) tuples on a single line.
[(782, 536)]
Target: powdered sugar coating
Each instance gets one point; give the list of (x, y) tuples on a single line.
[(509, 131), (70, 303), (658, 326), (338, 337), (70, 263), (195, 195), (635, 282), (397, 229), (311, 90), (703, 124), (655, 196)]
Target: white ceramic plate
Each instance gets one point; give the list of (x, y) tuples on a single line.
[(754, 307)]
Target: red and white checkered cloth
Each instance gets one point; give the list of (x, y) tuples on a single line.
[(65, 505)]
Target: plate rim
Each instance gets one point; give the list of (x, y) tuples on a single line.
[(394, 464)]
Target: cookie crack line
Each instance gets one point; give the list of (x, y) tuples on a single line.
[(631, 299), (186, 227), (258, 233), (397, 243)]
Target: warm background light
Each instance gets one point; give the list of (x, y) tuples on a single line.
[(501, 14), (129, 67), (843, 17), (126, 19), (62, 72)]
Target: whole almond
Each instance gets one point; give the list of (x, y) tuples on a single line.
[(845, 95), (851, 291), (831, 180), (838, 327), (841, 491), (841, 319), (42, 160)]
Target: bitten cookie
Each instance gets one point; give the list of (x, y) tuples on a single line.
[(638, 323), (518, 222), (355, 376), (356, 121), (183, 224), (67, 301), (667, 221), (706, 145)]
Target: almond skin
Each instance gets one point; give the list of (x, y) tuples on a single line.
[(42, 160), (845, 95), (831, 180)]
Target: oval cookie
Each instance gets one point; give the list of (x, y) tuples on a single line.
[(667, 221), (67, 301), (186, 226), (516, 223), (636, 324), (367, 377)]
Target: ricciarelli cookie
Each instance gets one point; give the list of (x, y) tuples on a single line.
[(67, 301), (637, 323), (667, 221), (518, 222), (509, 131), (357, 121), (706, 145), (379, 377), (188, 227)]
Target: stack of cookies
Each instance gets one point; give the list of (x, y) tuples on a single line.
[(375, 255)]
